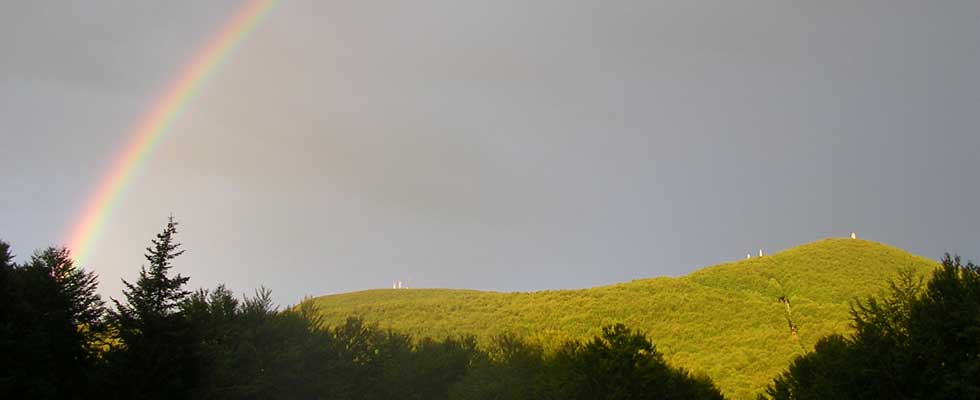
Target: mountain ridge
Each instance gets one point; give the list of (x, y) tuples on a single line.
[(739, 322)]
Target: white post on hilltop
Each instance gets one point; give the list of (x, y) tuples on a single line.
[(760, 253), (854, 235)]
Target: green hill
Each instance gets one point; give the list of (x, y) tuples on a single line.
[(726, 321)]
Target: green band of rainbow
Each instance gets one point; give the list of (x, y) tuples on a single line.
[(156, 123)]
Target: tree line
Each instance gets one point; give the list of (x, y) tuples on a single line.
[(921, 340), (60, 340)]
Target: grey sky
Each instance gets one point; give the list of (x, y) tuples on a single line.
[(501, 145)]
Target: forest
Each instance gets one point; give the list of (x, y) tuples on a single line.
[(740, 323), (919, 338)]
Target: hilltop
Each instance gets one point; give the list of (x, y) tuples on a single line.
[(740, 323)]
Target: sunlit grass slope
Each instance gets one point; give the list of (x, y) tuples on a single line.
[(725, 321)]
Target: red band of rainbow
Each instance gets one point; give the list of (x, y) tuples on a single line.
[(156, 123)]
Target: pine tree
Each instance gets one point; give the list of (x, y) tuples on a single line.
[(158, 355), (6, 259), (76, 288), (9, 322), (155, 294), (49, 326)]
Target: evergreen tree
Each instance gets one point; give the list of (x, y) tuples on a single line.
[(156, 294), (51, 322), (76, 288), (7, 297), (158, 355), (10, 321), (6, 259)]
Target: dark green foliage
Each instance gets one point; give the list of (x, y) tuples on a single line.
[(945, 333), (618, 364), (510, 369), (257, 352), (251, 350), (254, 351), (156, 294), (371, 363), (826, 368), (156, 356), (165, 342), (50, 319), (909, 344), (623, 364), (920, 341), (436, 366)]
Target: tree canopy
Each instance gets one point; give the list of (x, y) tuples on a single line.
[(919, 341)]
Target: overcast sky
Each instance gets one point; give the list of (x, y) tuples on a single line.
[(502, 145)]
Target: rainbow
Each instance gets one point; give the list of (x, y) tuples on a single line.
[(156, 123)]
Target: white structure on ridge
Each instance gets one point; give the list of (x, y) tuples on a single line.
[(760, 253), (854, 235), (397, 285)]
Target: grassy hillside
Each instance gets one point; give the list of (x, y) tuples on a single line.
[(726, 321)]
